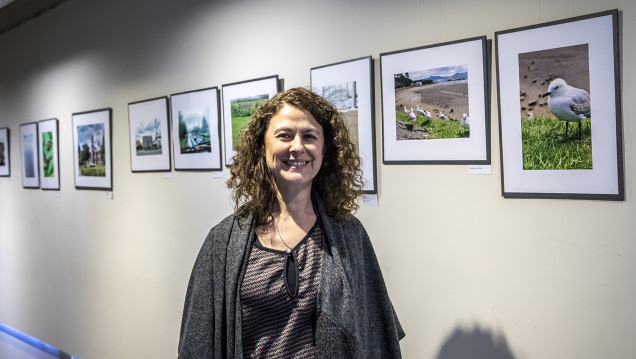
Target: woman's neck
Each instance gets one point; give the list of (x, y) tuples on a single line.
[(295, 204)]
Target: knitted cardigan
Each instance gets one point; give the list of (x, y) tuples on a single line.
[(355, 317)]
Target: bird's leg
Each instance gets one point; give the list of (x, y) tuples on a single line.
[(579, 130), (566, 128)]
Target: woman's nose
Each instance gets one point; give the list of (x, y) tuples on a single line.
[(297, 144)]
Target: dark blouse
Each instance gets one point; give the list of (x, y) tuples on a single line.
[(278, 299)]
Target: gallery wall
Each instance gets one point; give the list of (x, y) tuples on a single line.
[(467, 270)]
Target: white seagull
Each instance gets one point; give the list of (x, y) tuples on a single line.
[(428, 113), (567, 103), (405, 110), (442, 116), (420, 111), (412, 115), (531, 115), (465, 121)]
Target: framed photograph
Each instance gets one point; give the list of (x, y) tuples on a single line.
[(196, 130), (560, 125), (92, 149), (349, 86), (149, 144), (29, 150), (240, 101), (435, 104), (49, 154), (5, 165)]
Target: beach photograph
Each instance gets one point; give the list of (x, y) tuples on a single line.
[(432, 103)]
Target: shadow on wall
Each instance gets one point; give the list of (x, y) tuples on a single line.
[(475, 343)]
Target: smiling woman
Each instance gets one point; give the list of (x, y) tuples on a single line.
[(292, 272)]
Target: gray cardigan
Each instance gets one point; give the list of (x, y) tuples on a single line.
[(355, 317)]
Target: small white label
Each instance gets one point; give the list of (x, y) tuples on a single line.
[(217, 174), (58, 194), (167, 175), (109, 195), (480, 169), (370, 200)]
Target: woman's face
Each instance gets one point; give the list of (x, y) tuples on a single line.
[(294, 144)]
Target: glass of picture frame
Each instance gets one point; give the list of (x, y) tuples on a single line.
[(240, 101), (196, 130), (5, 158), (559, 109), (149, 137), (349, 86), (435, 104), (92, 149), (49, 154), (29, 152)]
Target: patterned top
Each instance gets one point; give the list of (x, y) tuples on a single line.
[(278, 299)]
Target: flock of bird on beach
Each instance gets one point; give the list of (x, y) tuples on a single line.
[(464, 122)]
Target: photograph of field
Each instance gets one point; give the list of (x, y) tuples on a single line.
[(91, 150), (432, 103), (242, 111), (29, 157), (555, 109), (194, 130), (148, 137), (344, 97), (47, 154)]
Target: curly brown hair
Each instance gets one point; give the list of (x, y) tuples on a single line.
[(339, 181)]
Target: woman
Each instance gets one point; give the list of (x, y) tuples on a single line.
[(291, 274)]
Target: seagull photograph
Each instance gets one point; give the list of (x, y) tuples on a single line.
[(554, 95)]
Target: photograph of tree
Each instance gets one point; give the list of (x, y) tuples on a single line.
[(194, 130), (91, 150), (554, 93), (242, 111), (432, 103)]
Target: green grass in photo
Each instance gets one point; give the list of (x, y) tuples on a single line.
[(94, 171), (242, 111), (238, 125), (437, 128), (545, 146)]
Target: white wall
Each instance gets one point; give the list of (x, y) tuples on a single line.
[(102, 278)]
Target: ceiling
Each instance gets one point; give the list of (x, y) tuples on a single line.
[(17, 12)]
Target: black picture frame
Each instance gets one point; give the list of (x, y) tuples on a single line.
[(196, 105), (49, 154), (5, 152), (248, 93), (547, 77), (450, 81), (29, 155), (149, 127), (349, 86), (92, 155)]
